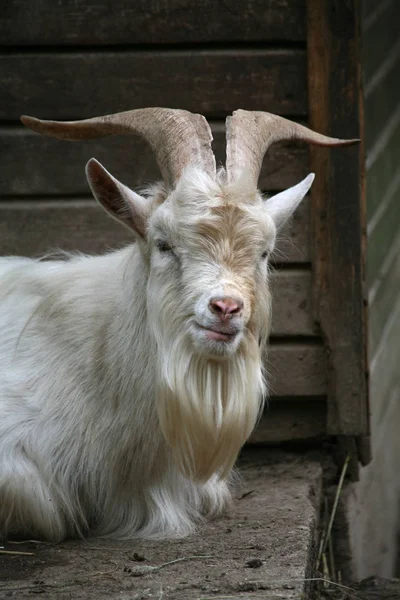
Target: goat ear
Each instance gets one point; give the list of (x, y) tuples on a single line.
[(281, 206), (119, 201)]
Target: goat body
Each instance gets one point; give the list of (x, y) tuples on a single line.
[(129, 381)]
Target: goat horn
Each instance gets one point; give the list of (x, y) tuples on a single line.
[(250, 134), (177, 137)]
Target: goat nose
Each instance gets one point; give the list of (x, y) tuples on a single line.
[(226, 307)]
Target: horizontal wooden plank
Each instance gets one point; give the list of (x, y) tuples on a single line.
[(37, 165), (288, 420), (34, 227), (291, 309), (214, 83), (142, 22), (297, 370)]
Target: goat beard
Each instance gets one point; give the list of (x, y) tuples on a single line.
[(208, 408)]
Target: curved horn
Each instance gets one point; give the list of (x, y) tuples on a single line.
[(250, 134), (177, 137)]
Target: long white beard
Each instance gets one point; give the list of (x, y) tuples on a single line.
[(208, 408)]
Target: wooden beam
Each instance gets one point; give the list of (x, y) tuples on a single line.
[(291, 303), (84, 23), (338, 209), (68, 85), (291, 419), (296, 369)]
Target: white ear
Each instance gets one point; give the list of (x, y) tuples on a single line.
[(281, 206), (119, 201)]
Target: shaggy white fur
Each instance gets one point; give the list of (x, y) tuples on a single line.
[(124, 400)]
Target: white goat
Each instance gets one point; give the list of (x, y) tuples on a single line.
[(130, 381)]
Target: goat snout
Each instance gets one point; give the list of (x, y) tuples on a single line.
[(226, 307)]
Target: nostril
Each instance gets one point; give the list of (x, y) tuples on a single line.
[(226, 306), (218, 306)]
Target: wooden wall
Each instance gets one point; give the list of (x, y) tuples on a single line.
[(381, 61), (338, 213), (78, 59), (374, 517)]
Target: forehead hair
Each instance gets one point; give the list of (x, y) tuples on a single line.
[(197, 189), (213, 210), (227, 220)]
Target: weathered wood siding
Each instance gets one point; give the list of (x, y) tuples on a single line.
[(338, 209), (122, 22), (79, 59), (374, 516), (381, 60)]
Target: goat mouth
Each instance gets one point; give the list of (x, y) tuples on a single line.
[(217, 335)]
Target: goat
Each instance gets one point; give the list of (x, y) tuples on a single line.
[(129, 382)]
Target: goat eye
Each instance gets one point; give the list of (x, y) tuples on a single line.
[(163, 247)]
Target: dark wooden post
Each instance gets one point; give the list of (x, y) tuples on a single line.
[(338, 211)]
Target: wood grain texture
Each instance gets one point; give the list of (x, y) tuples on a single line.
[(287, 420), (292, 303), (214, 83), (92, 22), (35, 228), (297, 369), (338, 209), (37, 165)]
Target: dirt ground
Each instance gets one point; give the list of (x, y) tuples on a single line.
[(261, 550), (264, 549)]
